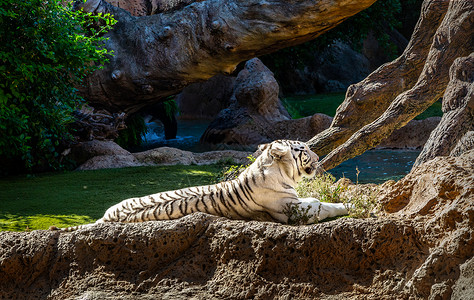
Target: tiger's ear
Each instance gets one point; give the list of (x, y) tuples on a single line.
[(262, 147), (278, 151)]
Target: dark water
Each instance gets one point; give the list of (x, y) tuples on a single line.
[(375, 166), (189, 133)]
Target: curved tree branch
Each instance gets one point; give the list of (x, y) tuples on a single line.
[(368, 99), (453, 38), (158, 55)]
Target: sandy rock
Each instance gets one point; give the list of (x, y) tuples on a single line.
[(173, 156), (165, 156), (87, 150), (212, 157), (110, 162), (95, 154), (465, 144)]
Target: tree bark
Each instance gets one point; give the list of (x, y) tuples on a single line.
[(157, 56), (397, 92)]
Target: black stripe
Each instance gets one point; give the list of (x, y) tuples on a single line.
[(172, 198), (196, 203), (270, 215), (253, 179), (233, 208), (221, 197), (117, 214), (203, 201), (155, 214), (241, 200), (171, 204), (247, 186), (186, 206), (166, 210), (180, 208), (216, 205), (229, 192)]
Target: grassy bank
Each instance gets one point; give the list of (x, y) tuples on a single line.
[(81, 197), (307, 105)]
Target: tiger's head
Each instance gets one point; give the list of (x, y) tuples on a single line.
[(294, 157)]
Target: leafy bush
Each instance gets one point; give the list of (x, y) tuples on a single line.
[(360, 199), (45, 49), (230, 170), (132, 135)]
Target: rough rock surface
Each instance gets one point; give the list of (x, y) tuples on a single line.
[(422, 249), (150, 7), (95, 155), (173, 156)]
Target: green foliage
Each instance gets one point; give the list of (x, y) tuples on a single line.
[(321, 187), (298, 215), (132, 135), (308, 105), (360, 199), (230, 170), (43, 54), (434, 110), (171, 107), (72, 198)]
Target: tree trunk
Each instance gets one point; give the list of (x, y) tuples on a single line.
[(458, 109), (399, 91), (157, 56)]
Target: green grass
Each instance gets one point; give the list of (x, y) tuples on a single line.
[(81, 197), (432, 111), (307, 105)]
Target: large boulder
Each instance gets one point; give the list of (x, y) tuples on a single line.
[(422, 249), (254, 108)]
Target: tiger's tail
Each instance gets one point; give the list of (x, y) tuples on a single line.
[(74, 228)]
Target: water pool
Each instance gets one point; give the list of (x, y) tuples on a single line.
[(375, 166)]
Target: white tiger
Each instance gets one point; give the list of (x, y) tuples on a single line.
[(263, 191)]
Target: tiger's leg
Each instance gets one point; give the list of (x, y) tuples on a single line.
[(318, 210)]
